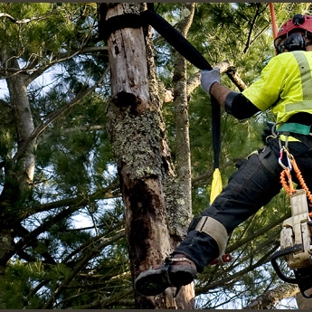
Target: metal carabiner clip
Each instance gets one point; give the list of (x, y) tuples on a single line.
[(288, 156)]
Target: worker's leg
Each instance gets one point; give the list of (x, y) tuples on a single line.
[(255, 183), (252, 186)]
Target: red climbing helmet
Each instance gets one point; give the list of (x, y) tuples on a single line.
[(298, 22)]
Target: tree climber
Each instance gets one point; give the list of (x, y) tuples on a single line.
[(285, 87)]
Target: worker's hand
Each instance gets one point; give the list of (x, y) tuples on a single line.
[(209, 77)]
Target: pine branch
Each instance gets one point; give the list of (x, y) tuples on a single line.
[(252, 25), (262, 231), (233, 277), (79, 266), (268, 299), (103, 193), (22, 231), (25, 20), (56, 114), (31, 236), (34, 73), (91, 242), (112, 299)]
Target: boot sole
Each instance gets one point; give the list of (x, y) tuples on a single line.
[(155, 281)]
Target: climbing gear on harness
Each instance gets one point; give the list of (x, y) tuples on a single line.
[(296, 234), (288, 186), (177, 271)]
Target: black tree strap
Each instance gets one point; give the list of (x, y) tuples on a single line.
[(186, 49), (119, 22), (179, 43)]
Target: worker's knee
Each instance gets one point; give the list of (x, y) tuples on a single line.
[(213, 228)]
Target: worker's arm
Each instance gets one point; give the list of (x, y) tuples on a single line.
[(233, 102)]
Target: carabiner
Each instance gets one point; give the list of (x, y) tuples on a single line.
[(282, 150)]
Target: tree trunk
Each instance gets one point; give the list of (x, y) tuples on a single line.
[(182, 151), (19, 171), (20, 168), (140, 149), (183, 155)]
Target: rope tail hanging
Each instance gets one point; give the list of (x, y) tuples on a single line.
[(216, 186)]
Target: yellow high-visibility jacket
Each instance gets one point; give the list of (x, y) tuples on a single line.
[(285, 85)]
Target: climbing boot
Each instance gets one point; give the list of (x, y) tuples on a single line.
[(177, 271)]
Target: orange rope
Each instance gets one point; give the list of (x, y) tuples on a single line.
[(288, 186), (301, 180)]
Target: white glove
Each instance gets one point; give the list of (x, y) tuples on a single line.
[(209, 77)]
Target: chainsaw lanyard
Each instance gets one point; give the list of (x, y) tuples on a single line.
[(286, 172)]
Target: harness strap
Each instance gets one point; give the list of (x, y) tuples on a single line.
[(292, 127), (118, 22)]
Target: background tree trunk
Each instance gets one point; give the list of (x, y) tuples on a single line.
[(182, 149), (20, 169)]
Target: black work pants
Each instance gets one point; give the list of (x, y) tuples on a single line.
[(252, 186)]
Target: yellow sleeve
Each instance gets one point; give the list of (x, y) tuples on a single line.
[(265, 91)]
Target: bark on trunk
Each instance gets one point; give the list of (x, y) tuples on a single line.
[(19, 171), (138, 142)]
